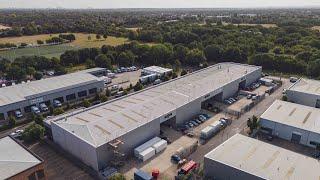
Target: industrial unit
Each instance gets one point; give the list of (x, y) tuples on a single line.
[(292, 122), (245, 158), (305, 92), (160, 71), (65, 88), (17, 162), (99, 134)]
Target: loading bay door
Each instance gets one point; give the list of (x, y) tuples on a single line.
[(296, 137)]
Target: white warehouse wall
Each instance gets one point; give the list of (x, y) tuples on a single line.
[(75, 146), (302, 98), (284, 131), (187, 111)]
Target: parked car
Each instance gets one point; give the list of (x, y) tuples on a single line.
[(43, 107), (249, 96), (206, 116), (194, 123), (35, 110), (175, 159), (18, 114), (227, 101), (190, 125), (198, 121), (56, 103), (202, 118), (157, 81)]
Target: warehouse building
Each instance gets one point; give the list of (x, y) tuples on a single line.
[(118, 126), (292, 122), (17, 162), (65, 88), (245, 158), (160, 71), (305, 92)]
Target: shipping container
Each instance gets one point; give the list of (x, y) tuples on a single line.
[(146, 145), (184, 152), (148, 78), (147, 154), (211, 130), (160, 146), (141, 175)]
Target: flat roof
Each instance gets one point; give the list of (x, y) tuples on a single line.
[(296, 115), (157, 69), (264, 160), (14, 158), (306, 86), (105, 122), (34, 89)]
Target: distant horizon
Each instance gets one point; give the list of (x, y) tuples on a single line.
[(159, 4)]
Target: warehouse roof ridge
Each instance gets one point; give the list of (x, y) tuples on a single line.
[(108, 121), (33, 89), (14, 158), (264, 160), (296, 115)]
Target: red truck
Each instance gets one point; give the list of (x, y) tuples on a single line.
[(191, 165)]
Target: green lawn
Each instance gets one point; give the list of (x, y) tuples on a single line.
[(48, 51)]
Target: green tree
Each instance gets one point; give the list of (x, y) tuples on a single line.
[(33, 133), (89, 63), (103, 61), (98, 36), (39, 120), (213, 53), (103, 98), (105, 36), (38, 75), (89, 38), (252, 123), (12, 121), (126, 58), (313, 68), (195, 57), (40, 42), (108, 92)]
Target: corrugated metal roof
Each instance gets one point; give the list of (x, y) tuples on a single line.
[(34, 89), (265, 160), (14, 159), (296, 115), (152, 103)]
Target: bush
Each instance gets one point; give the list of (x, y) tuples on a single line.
[(117, 176), (183, 72), (108, 93), (86, 103), (284, 98), (103, 98), (38, 75), (12, 121), (39, 120), (33, 133), (58, 111), (174, 75), (138, 87)]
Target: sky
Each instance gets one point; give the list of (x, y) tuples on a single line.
[(109, 4)]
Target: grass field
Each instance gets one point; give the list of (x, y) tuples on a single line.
[(55, 51), (47, 51)]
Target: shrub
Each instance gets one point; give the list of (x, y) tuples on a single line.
[(12, 121), (103, 98), (183, 72), (138, 86), (33, 133), (58, 111), (39, 120), (86, 103)]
